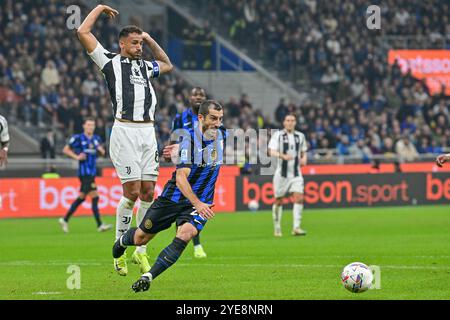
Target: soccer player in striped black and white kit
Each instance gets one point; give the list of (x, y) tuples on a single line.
[(290, 147), (4, 141), (133, 146)]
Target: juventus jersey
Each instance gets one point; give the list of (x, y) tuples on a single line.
[(132, 94), (4, 134), (292, 144)]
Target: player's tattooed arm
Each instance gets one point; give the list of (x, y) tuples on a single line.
[(183, 184), (160, 56), (84, 33)]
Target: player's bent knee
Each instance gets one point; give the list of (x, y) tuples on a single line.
[(141, 238), (186, 232)]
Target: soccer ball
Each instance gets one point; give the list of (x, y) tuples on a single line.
[(253, 205), (357, 277)]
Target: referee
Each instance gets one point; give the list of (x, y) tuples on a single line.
[(4, 141), (133, 146)]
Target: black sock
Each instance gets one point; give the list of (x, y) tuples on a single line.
[(73, 208), (128, 237), (168, 257), (96, 212), (196, 240)]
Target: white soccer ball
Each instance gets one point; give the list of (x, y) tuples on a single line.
[(357, 277), (253, 205)]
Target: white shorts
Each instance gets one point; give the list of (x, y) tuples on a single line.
[(285, 186), (134, 151)]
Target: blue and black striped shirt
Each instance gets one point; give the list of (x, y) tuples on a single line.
[(204, 158), (80, 143)]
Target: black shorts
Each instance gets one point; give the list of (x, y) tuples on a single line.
[(164, 212), (87, 184)]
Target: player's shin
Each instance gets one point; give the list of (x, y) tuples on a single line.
[(73, 208), (168, 257), (95, 211), (277, 212), (139, 217), (124, 215), (123, 242), (298, 209)]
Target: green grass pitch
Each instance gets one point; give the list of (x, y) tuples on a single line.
[(410, 245)]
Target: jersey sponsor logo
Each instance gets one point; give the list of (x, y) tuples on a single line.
[(138, 80)]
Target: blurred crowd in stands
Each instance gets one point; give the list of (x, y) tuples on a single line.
[(369, 108)]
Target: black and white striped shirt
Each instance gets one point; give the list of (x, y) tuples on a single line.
[(4, 134), (132, 94), (293, 144)]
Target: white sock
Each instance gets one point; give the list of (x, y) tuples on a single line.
[(277, 212), (139, 217), (298, 208), (124, 215)]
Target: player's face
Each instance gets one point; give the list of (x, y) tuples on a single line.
[(131, 46), (89, 128), (289, 123), (211, 123), (197, 97)]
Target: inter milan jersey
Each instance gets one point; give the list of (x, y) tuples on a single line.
[(204, 158), (80, 143), (185, 120)]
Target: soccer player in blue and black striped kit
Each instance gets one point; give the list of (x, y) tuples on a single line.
[(84, 148), (187, 198), (188, 120)]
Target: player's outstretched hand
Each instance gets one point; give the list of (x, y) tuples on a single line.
[(110, 12), (440, 160), (205, 210), (170, 152)]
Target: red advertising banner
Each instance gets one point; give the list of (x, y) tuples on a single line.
[(52, 197), (432, 65)]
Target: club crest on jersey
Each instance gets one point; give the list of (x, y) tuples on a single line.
[(213, 155), (148, 224)]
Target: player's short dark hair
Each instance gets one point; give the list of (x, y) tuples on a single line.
[(290, 115), (207, 105), (198, 89), (88, 119), (129, 30)]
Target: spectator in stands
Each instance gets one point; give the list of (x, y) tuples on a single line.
[(48, 143), (405, 149), (50, 75)]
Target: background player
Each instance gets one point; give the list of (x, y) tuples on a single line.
[(289, 146), (188, 120), (84, 148), (4, 141), (133, 146), (187, 198)]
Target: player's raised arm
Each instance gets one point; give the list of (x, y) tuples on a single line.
[(84, 33), (161, 57)]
